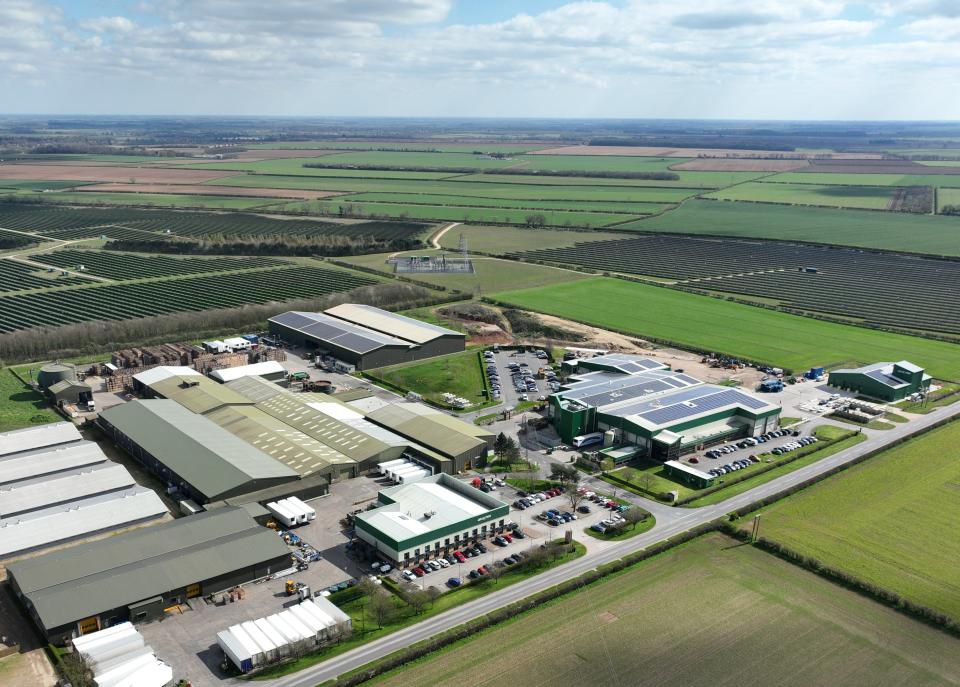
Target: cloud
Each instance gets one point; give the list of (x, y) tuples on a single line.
[(108, 24), (722, 20)]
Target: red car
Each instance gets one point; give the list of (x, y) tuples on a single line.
[(419, 572), (483, 570), (507, 537), (459, 556)]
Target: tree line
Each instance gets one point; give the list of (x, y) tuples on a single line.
[(330, 245), (600, 174)]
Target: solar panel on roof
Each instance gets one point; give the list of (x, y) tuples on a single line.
[(292, 319)]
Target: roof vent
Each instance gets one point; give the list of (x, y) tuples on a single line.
[(690, 404)]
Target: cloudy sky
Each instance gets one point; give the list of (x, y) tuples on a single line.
[(749, 59)]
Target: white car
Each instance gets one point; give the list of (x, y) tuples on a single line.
[(444, 563), (408, 576)]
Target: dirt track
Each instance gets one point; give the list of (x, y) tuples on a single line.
[(122, 174)]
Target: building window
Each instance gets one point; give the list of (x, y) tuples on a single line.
[(475, 532), (406, 555), (140, 616), (416, 552), (446, 542)]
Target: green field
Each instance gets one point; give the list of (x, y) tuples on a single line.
[(947, 196), (708, 613), (20, 406), (424, 145), (454, 213), (710, 324), (436, 199), (490, 274), (159, 200), (891, 521), (864, 179), (500, 240), (459, 373), (899, 231), (863, 197)]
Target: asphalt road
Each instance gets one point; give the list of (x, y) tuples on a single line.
[(670, 522)]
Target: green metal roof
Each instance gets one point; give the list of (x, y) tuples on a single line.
[(434, 429), (66, 586), (65, 384), (204, 454), (197, 393)]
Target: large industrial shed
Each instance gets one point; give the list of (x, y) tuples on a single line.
[(884, 381), (662, 414), (203, 460), (423, 519), (41, 436), (187, 387), (366, 337), (462, 445), (135, 576)]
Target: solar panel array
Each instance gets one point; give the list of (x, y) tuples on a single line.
[(884, 378), (338, 332), (712, 398)]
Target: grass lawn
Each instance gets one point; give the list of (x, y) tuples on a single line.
[(743, 331), (863, 197), (366, 630), (648, 478), (460, 373), (724, 614), (891, 520), (944, 396), (21, 406), (626, 532), (500, 240), (490, 274), (898, 231)]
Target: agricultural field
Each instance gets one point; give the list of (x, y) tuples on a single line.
[(862, 197), (947, 196), (167, 200), (414, 146), (114, 265), (845, 283), (903, 538), (743, 331), (124, 301), (721, 611), (582, 206), (16, 276), (864, 179), (503, 240), (460, 374), (907, 232)]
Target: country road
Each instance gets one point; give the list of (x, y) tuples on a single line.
[(670, 522)]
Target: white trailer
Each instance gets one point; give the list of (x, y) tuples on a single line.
[(237, 343), (282, 513), (408, 478), (267, 647), (239, 648), (215, 346), (277, 638), (384, 467), (293, 507), (311, 513), (397, 474)]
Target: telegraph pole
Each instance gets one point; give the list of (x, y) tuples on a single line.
[(756, 528)]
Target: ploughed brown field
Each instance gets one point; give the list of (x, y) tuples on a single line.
[(149, 173), (708, 164), (201, 190), (648, 151)]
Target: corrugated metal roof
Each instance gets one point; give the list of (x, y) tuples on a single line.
[(204, 454), (685, 404), (158, 374), (32, 438), (390, 323), (24, 466), (437, 431), (198, 394), (255, 388), (35, 530), (339, 332), (65, 384), (35, 494), (64, 586)]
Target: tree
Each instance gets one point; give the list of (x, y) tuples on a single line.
[(634, 515), (495, 572), (563, 473), (646, 481), (536, 220), (575, 497), (76, 670), (512, 454), (381, 608), (500, 445), (416, 598)]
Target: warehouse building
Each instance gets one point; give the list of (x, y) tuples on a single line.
[(883, 381), (63, 493), (270, 370), (186, 386), (41, 436), (188, 451), (661, 413), (460, 445), (366, 337), (135, 576), (429, 518)]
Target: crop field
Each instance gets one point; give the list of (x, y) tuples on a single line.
[(891, 521), (16, 276), (459, 373), (113, 265), (168, 200), (742, 331), (413, 146), (583, 206), (947, 196), (847, 283), (898, 231), (145, 299), (863, 197), (863, 179), (101, 172), (455, 213), (503, 240), (722, 613)]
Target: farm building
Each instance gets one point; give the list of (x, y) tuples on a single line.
[(41, 436), (189, 388), (883, 381), (366, 337), (270, 370), (70, 391), (429, 517), (662, 413), (687, 474), (58, 494), (52, 373), (460, 444), (188, 451), (135, 576)]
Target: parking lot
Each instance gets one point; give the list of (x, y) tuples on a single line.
[(516, 375)]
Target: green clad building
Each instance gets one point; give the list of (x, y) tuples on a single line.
[(640, 403), (429, 518), (883, 381)]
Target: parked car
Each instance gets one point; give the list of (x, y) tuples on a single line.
[(454, 582)]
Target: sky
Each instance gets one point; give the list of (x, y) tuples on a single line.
[(709, 59)]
